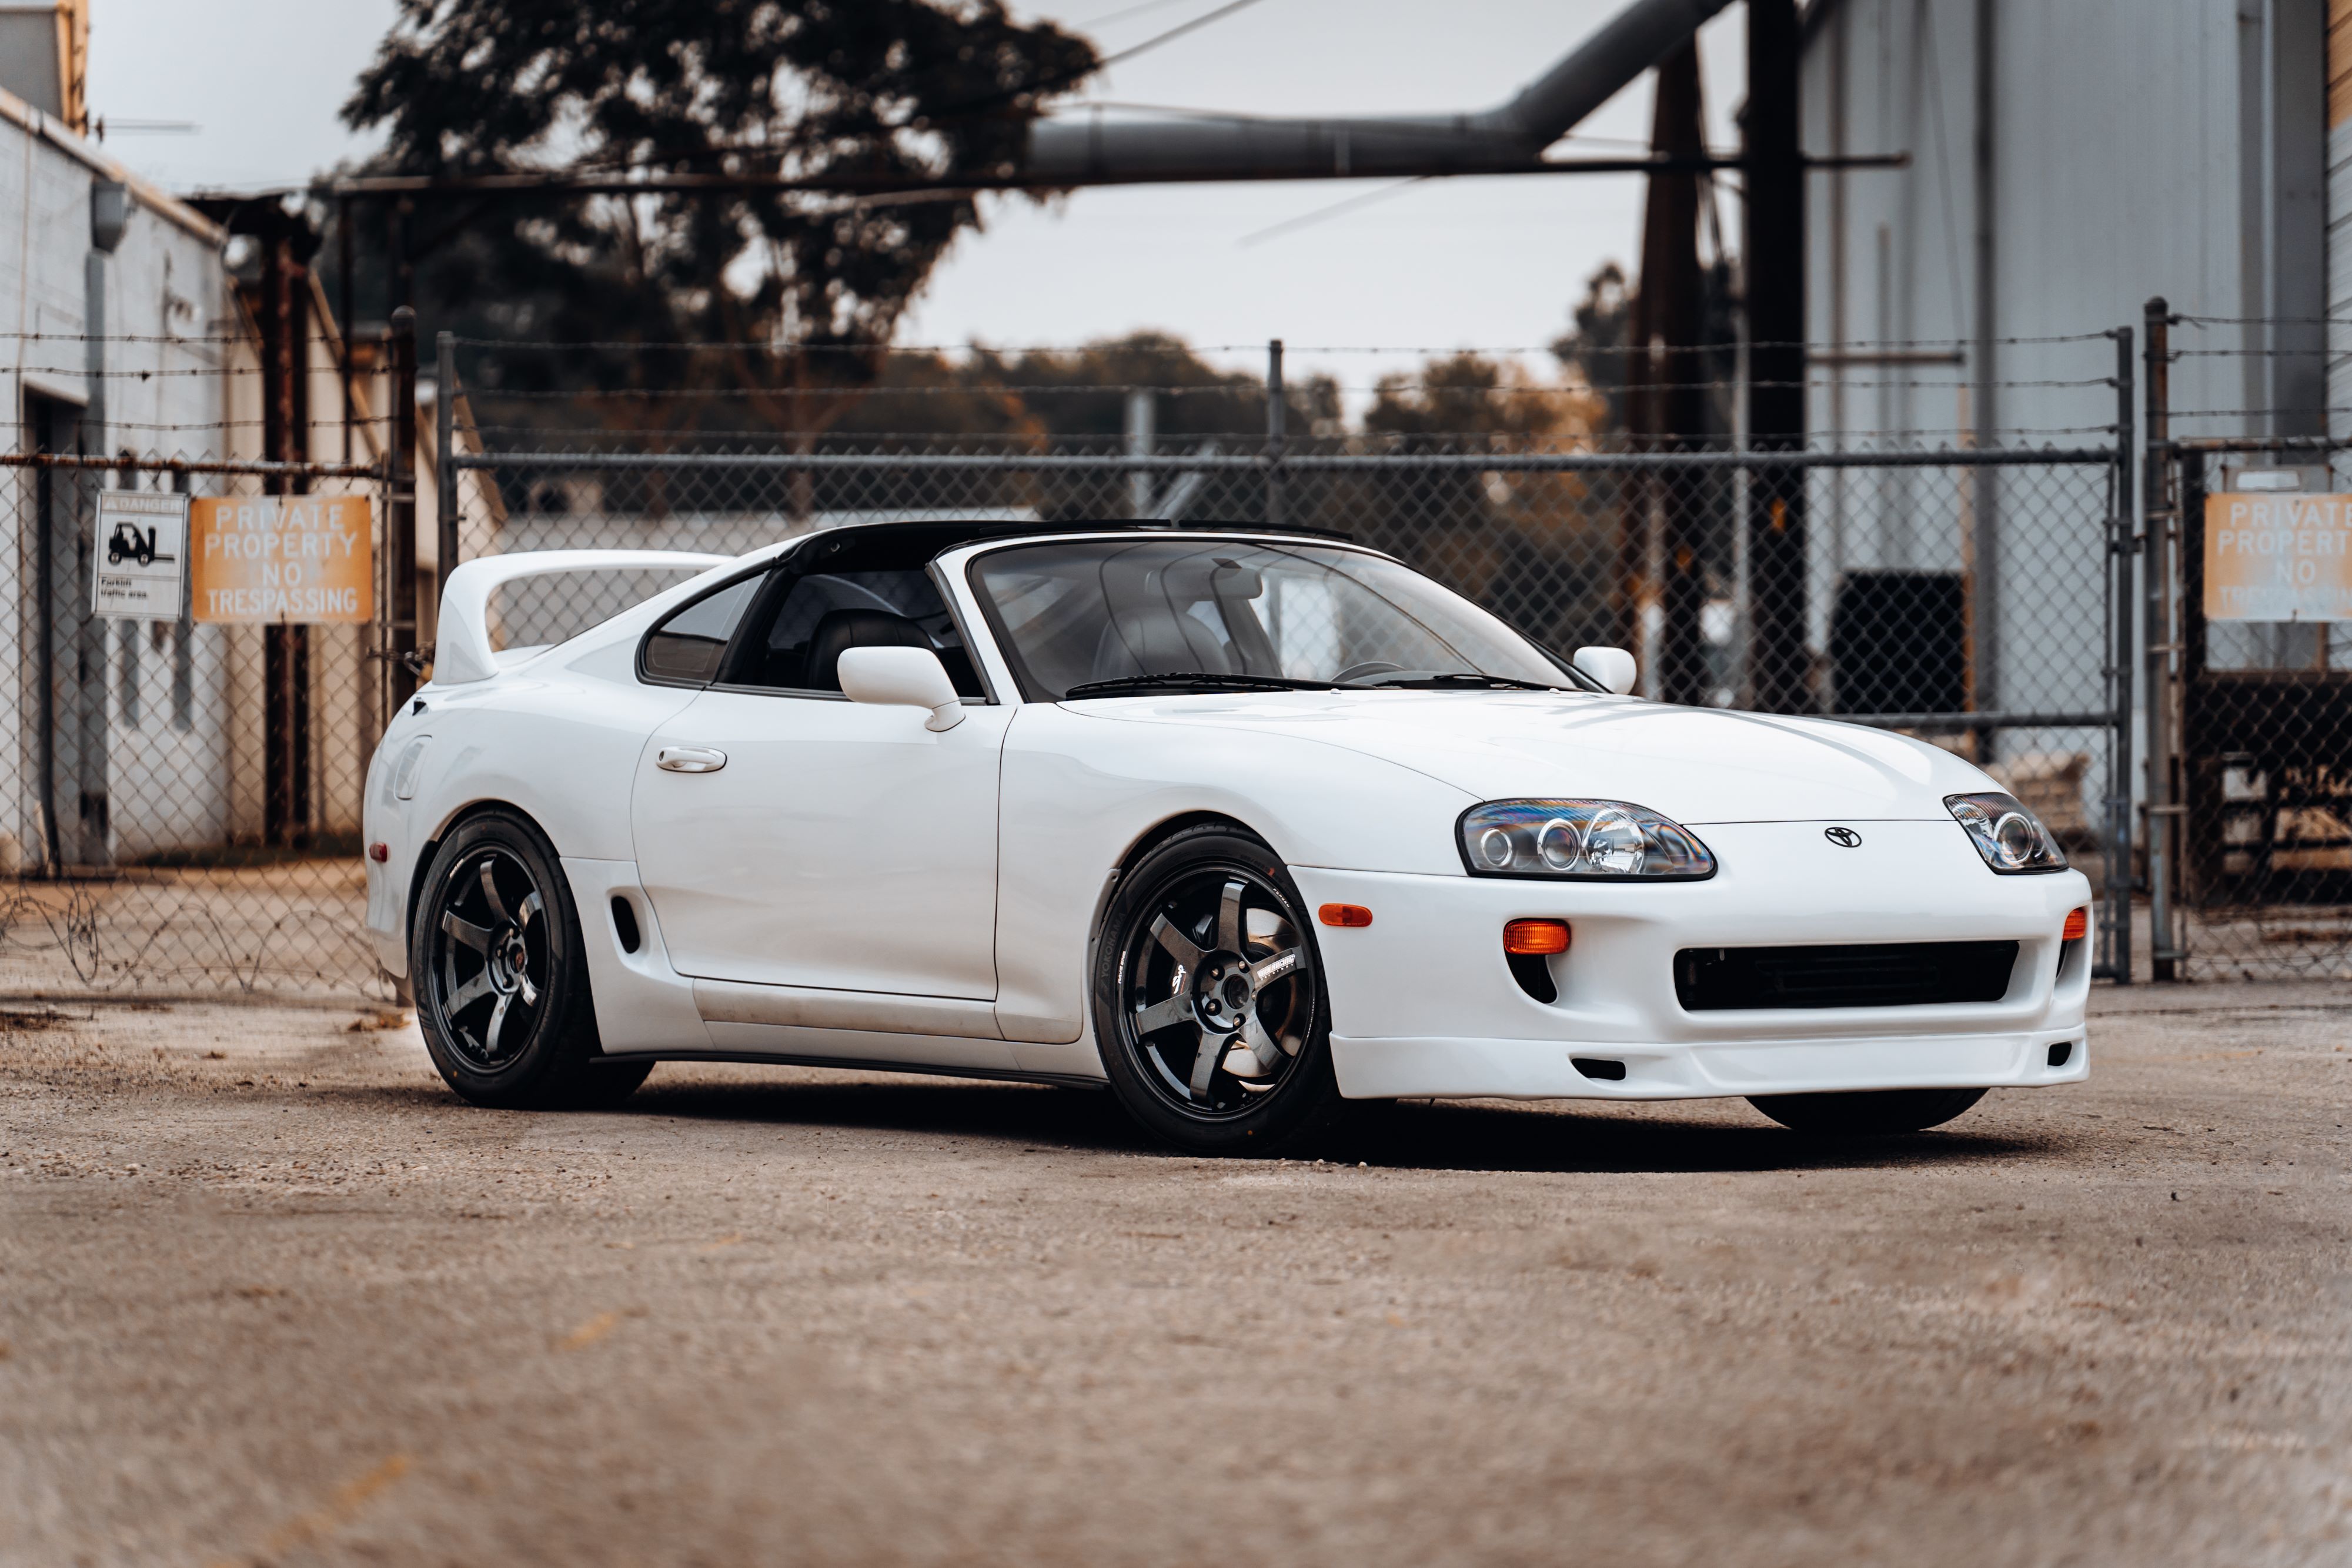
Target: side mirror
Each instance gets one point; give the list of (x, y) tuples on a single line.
[(1613, 667), (902, 678)]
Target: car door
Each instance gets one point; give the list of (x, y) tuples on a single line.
[(788, 836)]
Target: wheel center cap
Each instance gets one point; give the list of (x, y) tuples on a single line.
[(509, 960), (1222, 995)]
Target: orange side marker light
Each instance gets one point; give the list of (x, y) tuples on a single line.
[(1344, 915), (2078, 925), (1522, 938)]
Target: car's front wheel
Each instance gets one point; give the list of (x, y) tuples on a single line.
[(501, 984), (1209, 1001), (1870, 1113)]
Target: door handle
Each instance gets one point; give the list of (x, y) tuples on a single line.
[(690, 760)]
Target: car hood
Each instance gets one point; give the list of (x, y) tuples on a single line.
[(1695, 765)]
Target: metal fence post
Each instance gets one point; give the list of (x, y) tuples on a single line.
[(444, 449), (2156, 615), (402, 544), (2117, 904), (1274, 434)]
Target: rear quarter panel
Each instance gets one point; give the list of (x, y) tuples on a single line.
[(559, 743)]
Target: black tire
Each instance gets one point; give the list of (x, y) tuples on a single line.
[(501, 984), (1232, 997), (1870, 1114)]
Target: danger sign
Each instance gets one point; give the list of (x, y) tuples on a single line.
[(140, 564), (283, 559)]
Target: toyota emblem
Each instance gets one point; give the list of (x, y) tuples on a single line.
[(1844, 838)]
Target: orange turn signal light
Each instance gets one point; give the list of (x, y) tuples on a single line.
[(1522, 938), (2078, 925), (1344, 915)]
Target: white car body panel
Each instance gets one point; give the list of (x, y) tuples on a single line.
[(853, 887), (841, 845)]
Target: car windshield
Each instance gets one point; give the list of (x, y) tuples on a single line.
[(1093, 617)]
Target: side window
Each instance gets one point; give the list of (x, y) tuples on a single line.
[(822, 614), (685, 648)]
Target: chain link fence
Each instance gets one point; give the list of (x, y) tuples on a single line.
[(2249, 813), (180, 778), (184, 792), (1967, 596)]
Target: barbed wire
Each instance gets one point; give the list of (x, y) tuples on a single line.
[(1124, 346), (593, 395)]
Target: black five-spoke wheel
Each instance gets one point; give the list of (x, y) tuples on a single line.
[(501, 982), (489, 958), (1209, 999)]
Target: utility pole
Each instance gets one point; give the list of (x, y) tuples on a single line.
[(1780, 670)]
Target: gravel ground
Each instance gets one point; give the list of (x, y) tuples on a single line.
[(270, 1295)]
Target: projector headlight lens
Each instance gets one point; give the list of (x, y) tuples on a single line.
[(1592, 841), (2012, 840)]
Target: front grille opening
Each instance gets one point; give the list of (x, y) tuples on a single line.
[(1533, 972), (2061, 1053), (1599, 1067), (1858, 975)]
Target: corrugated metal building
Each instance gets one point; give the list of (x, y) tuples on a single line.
[(2068, 161), (125, 332)]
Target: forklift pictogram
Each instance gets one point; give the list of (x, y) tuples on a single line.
[(127, 543)]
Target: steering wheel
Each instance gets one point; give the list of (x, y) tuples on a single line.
[(1368, 667)]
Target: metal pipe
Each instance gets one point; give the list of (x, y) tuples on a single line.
[(1087, 149), (45, 599), (344, 309), (126, 463), (1994, 720), (1984, 540), (400, 526), (2156, 630), (1317, 463), (865, 183), (2116, 905), (1274, 432), (444, 444)]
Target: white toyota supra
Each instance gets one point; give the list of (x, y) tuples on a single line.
[(1244, 824)]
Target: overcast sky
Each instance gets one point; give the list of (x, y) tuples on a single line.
[(1493, 262)]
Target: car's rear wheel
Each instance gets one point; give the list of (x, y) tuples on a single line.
[(501, 983), (1209, 1000), (1872, 1113)]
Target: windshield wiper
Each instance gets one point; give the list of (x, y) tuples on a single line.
[(1193, 681), (1462, 680)]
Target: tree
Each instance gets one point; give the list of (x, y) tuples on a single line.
[(1594, 351), (931, 92)]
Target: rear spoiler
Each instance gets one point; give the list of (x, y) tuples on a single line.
[(461, 650)]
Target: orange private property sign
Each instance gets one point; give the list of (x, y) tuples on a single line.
[(283, 560), (2278, 556)]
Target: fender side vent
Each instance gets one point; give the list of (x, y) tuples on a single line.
[(624, 925), (1599, 1067), (1533, 972)]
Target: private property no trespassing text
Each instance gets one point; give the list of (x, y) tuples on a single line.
[(283, 559)]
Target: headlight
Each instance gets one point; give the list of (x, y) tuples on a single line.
[(1607, 841), (2011, 839)]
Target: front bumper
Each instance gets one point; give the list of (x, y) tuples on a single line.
[(1424, 1003)]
